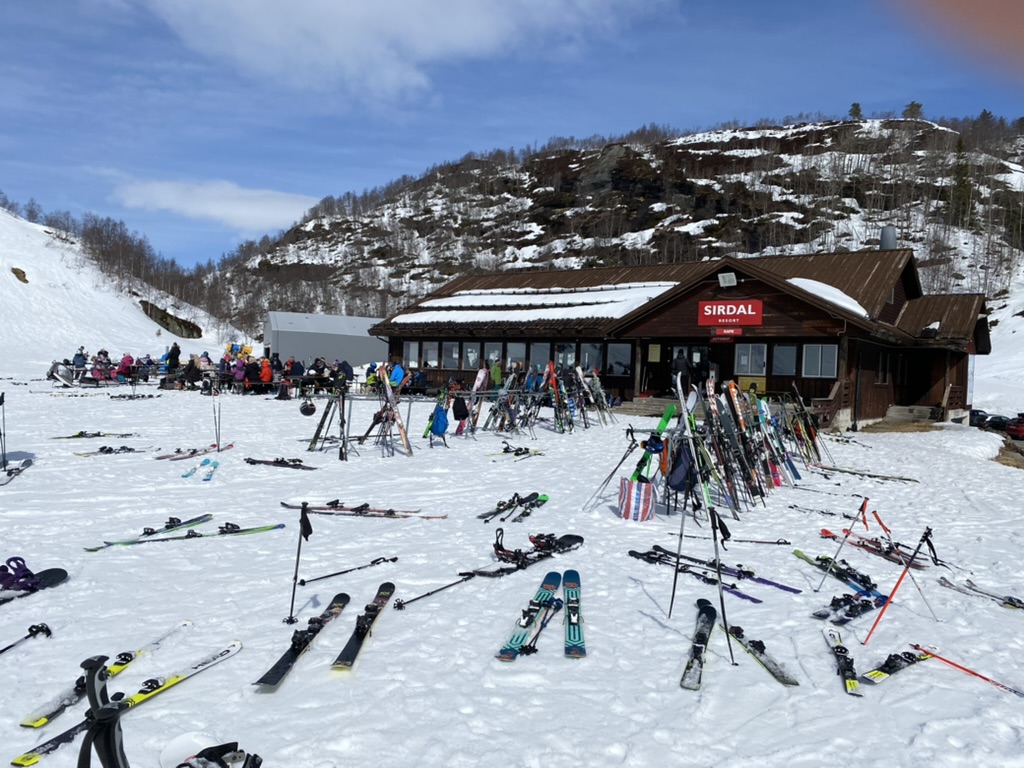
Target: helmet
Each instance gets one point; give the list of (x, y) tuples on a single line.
[(308, 408)]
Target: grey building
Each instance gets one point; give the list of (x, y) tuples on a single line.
[(333, 337)]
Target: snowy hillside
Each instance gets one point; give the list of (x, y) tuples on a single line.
[(426, 689), (53, 300)]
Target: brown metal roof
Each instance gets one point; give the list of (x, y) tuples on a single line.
[(957, 316)]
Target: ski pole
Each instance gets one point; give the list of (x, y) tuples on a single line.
[(305, 531), (906, 568), (378, 561), (717, 524), (3, 432), (904, 562), (466, 576), (828, 570), (962, 668), (35, 629)]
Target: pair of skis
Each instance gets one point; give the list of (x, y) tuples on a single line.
[(150, 535), (207, 465), (970, 588), (302, 639), (541, 610)]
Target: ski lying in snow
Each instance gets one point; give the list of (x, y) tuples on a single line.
[(859, 473), (883, 549), (844, 572), (737, 572), (508, 505), (208, 474), (301, 640), (73, 693), (364, 626), (706, 617), (575, 648), (661, 559), (757, 650), (13, 471), (364, 510), (44, 579), (196, 468), (844, 661), (893, 664), (228, 529), (845, 608), (149, 689), (525, 624), (212, 448), (336, 506), (95, 434), (1007, 601), (289, 463), (172, 524)]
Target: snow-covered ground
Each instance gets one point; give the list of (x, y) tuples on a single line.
[(426, 689)]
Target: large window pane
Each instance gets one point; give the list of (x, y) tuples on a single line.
[(620, 360), (516, 351), (565, 355), (590, 357), (430, 354), (411, 354), (492, 351), (784, 360), (540, 355), (750, 359), (470, 355), (449, 354)]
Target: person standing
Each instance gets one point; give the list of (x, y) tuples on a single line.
[(496, 373)]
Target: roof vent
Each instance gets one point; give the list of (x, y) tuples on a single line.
[(888, 238)]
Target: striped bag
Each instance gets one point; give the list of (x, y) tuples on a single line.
[(637, 500)]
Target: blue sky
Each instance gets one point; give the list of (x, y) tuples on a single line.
[(201, 123)]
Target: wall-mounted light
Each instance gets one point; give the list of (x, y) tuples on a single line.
[(727, 279)]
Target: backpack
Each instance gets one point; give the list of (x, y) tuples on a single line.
[(683, 476), (459, 408), (439, 424)]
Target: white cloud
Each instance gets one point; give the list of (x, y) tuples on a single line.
[(247, 210), (380, 49)]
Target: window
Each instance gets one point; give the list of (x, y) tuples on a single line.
[(590, 357), (750, 359), (540, 355), (620, 360), (449, 354), (784, 360), (565, 355), (411, 354), (516, 351), (884, 366), (820, 361), (471, 355), (430, 354), (492, 351)]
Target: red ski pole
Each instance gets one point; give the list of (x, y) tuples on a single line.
[(906, 569), (962, 668)]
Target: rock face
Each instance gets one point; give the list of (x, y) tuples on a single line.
[(184, 329)]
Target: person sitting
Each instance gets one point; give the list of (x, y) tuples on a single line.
[(238, 374), (275, 363), (125, 369), (192, 373), (252, 375), (205, 361), (145, 366)]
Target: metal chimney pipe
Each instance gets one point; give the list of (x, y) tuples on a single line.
[(888, 238)]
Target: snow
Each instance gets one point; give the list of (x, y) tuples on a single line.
[(830, 294), (426, 689)]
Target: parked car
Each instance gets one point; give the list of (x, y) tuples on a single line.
[(996, 422), (1015, 428), (977, 417)]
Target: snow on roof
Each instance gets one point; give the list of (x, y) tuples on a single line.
[(298, 322), (830, 294), (529, 304)]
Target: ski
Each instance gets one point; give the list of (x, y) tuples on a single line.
[(859, 473), (844, 572), (844, 661), (172, 524), (332, 507), (392, 398), (756, 648), (45, 713), (301, 641), (364, 626), (208, 475), (547, 614), (645, 462), (845, 608), (228, 529), (84, 434), (660, 559), (12, 472), (196, 468), (212, 448), (1006, 602), (575, 648), (149, 689), (875, 546), (1010, 600), (737, 572), (895, 663), (706, 617), (505, 506), (525, 623), (108, 450), (289, 463), (44, 579)]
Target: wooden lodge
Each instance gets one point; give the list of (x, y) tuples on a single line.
[(853, 331)]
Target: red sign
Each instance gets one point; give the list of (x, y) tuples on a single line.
[(728, 331), (733, 312)]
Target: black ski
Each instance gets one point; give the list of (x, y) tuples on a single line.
[(301, 640), (844, 661), (756, 648), (289, 463), (364, 625), (706, 617), (893, 664), (12, 472)]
